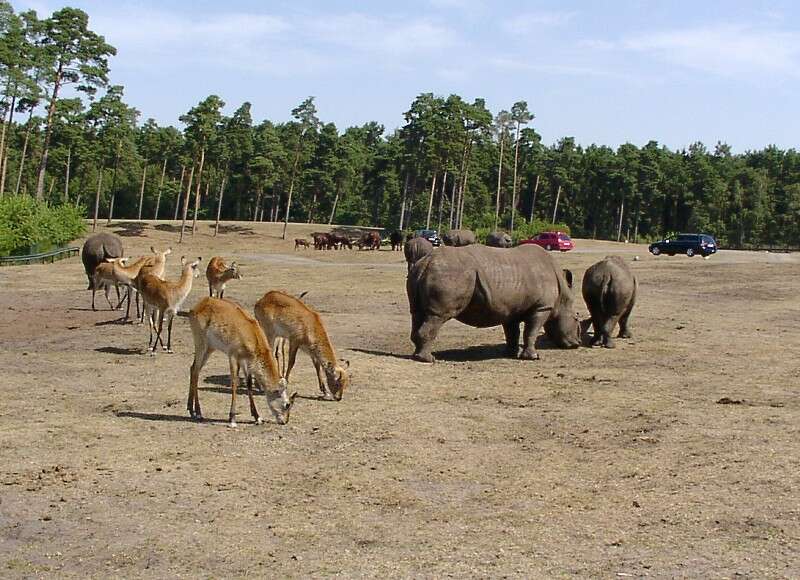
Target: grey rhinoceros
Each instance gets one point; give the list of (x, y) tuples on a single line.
[(609, 289), (458, 238), (96, 250), (482, 286), (416, 249), (499, 240)]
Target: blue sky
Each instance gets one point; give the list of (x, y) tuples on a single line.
[(602, 71)]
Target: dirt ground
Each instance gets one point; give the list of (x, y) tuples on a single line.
[(675, 454)]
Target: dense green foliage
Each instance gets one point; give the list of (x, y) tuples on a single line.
[(452, 164), (27, 225)]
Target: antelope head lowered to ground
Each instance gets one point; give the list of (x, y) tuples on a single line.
[(222, 325), (285, 317)]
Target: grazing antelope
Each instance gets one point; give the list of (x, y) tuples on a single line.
[(103, 277), (218, 274), (284, 316), (224, 326), (163, 298)]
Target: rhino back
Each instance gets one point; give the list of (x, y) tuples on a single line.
[(608, 286)]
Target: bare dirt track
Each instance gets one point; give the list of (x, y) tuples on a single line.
[(588, 463)]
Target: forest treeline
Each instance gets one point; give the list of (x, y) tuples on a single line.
[(453, 163)]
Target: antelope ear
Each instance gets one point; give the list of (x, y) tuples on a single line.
[(282, 384), (168, 251), (234, 265), (153, 249), (568, 276), (183, 260), (346, 363)]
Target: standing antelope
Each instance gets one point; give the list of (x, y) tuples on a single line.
[(103, 277), (284, 316), (218, 274), (126, 275), (165, 298), (224, 326), (155, 265)]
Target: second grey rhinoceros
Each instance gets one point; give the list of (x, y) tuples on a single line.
[(499, 240), (416, 249), (609, 289), (482, 286), (458, 238)]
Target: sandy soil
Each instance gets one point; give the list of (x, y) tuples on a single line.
[(589, 463)]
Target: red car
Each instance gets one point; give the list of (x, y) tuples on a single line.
[(552, 241)]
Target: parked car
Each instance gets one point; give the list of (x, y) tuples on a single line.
[(689, 244), (431, 235), (552, 241)]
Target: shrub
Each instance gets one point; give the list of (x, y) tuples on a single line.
[(524, 230), (29, 226)]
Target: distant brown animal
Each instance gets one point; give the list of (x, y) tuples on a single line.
[(285, 317), (416, 249), (370, 241), (339, 241), (609, 289), (499, 240), (103, 279), (225, 326), (219, 274), (396, 239), (321, 241), (300, 242)]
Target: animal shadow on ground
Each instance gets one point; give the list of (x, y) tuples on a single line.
[(381, 353), (120, 320), (168, 228), (472, 353), (119, 350), (224, 387), (130, 229), (165, 417), (234, 229)]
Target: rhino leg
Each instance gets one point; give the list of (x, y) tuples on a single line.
[(624, 330), (511, 330), (533, 324), (597, 333), (607, 330), (423, 334)]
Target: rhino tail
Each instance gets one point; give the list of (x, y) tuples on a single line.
[(413, 283)]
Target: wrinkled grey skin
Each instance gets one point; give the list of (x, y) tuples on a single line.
[(415, 249), (482, 286), (96, 249), (458, 238), (609, 289), (499, 240)]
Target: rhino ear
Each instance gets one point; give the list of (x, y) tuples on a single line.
[(568, 276)]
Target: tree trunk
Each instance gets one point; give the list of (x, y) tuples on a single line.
[(257, 204), (97, 198), (441, 199), (180, 193), (403, 204), (311, 208), (160, 187), (555, 209), (186, 204), (81, 181), (114, 183), (453, 201), (5, 141), (141, 190), (621, 213), (514, 183), (335, 201), (291, 187), (219, 204), (636, 223), (533, 197), (24, 152), (430, 202), (197, 190), (48, 132), (463, 196), (66, 177), (499, 177)]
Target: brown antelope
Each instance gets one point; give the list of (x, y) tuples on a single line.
[(224, 326), (163, 298), (218, 274), (103, 277), (284, 316), (155, 265), (126, 275)]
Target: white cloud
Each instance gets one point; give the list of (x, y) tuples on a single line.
[(727, 50), (532, 22), (511, 64), (367, 33)]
